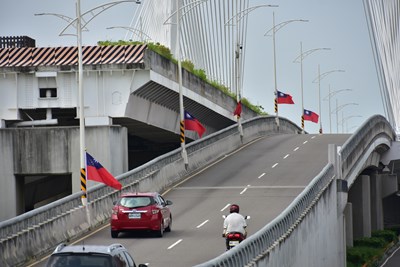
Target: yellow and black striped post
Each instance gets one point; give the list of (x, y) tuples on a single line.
[(276, 105), (302, 122), (83, 186), (182, 132)]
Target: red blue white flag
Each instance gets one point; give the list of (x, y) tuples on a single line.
[(238, 109), (192, 124), (283, 98), (310, 116), (96, 172)]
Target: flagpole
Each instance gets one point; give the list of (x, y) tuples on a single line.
[(81, 113), (274, 29)]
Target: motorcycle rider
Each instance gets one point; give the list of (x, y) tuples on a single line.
[(234, 222)]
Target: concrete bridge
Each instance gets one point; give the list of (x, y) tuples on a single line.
[(351, 196)]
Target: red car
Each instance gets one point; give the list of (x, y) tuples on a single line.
[(141, 211)]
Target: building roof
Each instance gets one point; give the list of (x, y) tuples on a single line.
[(67, 56)]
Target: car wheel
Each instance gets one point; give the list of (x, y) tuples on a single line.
[(160, 233), (168, 229), (114, 234)]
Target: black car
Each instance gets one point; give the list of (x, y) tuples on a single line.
[(114, 255)]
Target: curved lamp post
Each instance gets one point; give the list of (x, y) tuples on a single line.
[(300, 59), (77, 23), (346, 119), (178, 55), (319, 78), (328, 97), (275, 29), (241, 14), (138, 32), (338, 108)]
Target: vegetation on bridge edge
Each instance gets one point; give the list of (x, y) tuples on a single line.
[(368, 252), (189, 66)]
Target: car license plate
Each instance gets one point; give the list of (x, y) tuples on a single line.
[(134, 215), (233, 243)]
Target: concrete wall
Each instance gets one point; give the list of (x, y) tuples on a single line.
[(52, 151)]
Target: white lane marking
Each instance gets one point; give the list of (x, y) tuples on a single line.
[(305, 142), (174, 244), (227, 205), (208, 166), (203, 223), (261, 175), (312, 137), (296, 149), (287, 155), (244, 190), (276, 164)]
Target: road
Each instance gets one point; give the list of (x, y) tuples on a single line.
[(262, 177)]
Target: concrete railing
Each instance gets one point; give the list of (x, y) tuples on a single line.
[(375, 134), (257, 249), (35, 233)]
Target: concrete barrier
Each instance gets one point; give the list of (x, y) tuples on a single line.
[(310, 232), (35, 233)]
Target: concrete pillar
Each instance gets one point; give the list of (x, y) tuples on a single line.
[(360, 197), (376, 202), (348, 221)]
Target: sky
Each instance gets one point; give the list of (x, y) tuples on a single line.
[(340, 25)]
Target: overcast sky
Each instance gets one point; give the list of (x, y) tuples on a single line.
[(337, 24)]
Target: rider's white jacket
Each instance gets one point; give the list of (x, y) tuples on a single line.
[(235, 222)]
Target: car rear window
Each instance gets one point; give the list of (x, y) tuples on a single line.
[(136, 201), (79, 260)]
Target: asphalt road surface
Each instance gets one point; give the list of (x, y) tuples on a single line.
[(263, 177)]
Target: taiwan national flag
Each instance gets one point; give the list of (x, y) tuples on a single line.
[(310, 116), (192, 124), (238, 109), (96, 172), (284, 98)]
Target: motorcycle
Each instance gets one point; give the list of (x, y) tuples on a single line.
[(233, 238)]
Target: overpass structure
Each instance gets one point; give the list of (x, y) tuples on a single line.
[(352, 196), (131, 109)]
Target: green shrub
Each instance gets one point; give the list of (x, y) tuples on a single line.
[(369, 250), (388, 235), (360, 255), (373, 242)]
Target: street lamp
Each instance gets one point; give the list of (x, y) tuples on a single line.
[(338, 108), (241, 14), (328, 97), (138, 32), (275, 29), (177, 51), (79, 27), (300, 59), (346, 119), (319, 78)]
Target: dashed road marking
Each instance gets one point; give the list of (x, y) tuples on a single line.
[(276, 164), (261, 175), (176, 243), (203, 223), (296, 149), (287, 155)]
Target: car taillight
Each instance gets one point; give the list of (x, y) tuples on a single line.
[(154, 211)]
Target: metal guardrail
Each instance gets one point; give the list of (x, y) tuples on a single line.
[(37, 232)]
